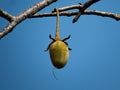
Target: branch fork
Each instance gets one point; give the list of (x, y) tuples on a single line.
[(14, 20)]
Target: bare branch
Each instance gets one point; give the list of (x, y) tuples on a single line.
[(31, 11), (8, 29), (89, 3), (84, 7), (103, 14), (86, 12), (70, 7), (6, 15)]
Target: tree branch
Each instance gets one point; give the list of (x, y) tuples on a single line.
[(103, 14), (30, 13), (16, 20), (84, 7), (86, 12), (6, 15)]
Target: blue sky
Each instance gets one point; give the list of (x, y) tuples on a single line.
[(94, 62)]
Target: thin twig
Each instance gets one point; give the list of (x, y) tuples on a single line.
[(86, 12), (84, 7), (6, 15), (103, 14)]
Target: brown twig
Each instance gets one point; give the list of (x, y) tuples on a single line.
[(103, 14), (86, 12), (6, 15), (84, 7)]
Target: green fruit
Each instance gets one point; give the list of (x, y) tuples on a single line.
[(59, 53)]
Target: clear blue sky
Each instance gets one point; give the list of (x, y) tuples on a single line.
[(94, 62)]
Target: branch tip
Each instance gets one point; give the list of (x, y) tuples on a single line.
[(82, 8)]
